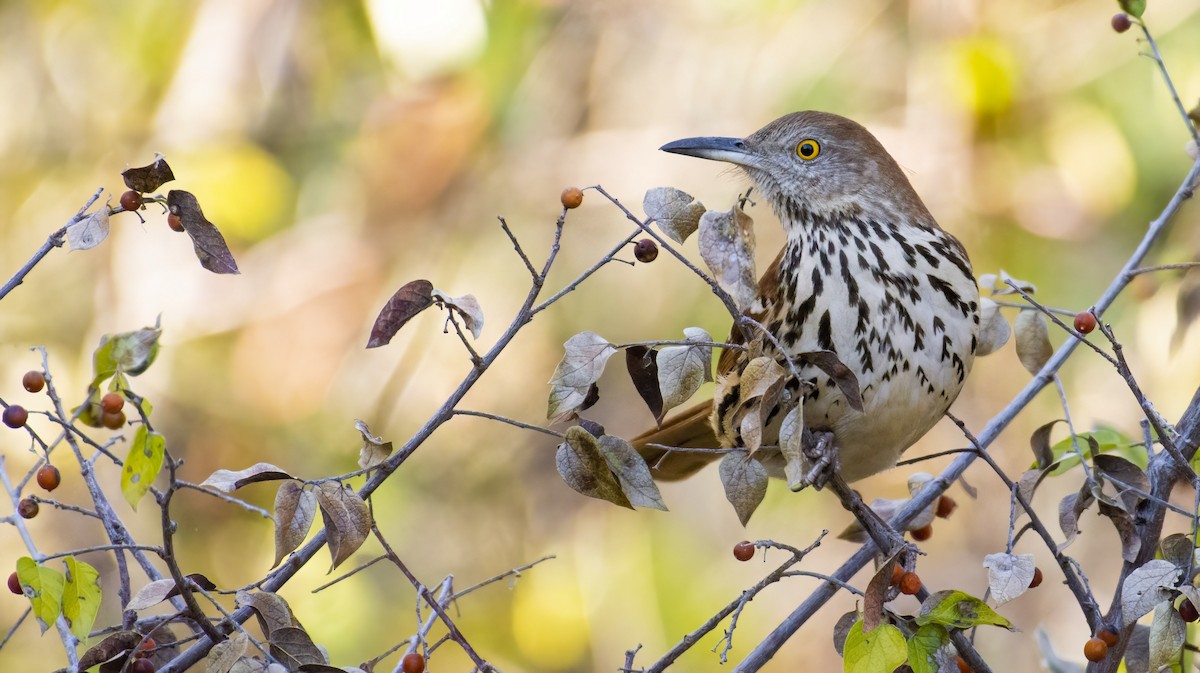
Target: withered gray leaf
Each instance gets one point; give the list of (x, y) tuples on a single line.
[(272, 610), (467, 307), (677, 212), (1177, 548), (1033, 340), (1069, 509), (642, 363), (1009, 575), (151, 594), (90, 231), (842, 628), (791, 444), (347, 520), (1168, 633), (1131, 542), (847, 382), (1039, 442), (727, 247), (1005, 288), (745, 481), (1123, 474), (584, 357), (148, 178), (412, 298), (993, 328), (229, 480), (683, 369), (209, 244), (632, 472), (294, 648), (585, 469), (1146, 587), (295, 509)]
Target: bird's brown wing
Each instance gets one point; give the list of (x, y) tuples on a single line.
[(692, 428)]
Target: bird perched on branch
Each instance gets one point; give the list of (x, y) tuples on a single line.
[(866, 273)]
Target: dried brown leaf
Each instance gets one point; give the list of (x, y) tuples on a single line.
[(90, 231), (116, 645), (745, 481), (347, 520), (876, 594), (152, 594), (1033, 340), (226, 653), (847, 382), (295, 509), (412, 298), (727, 246), (677, 212), (374, 450), (1187, 308), (271, 609), (467, 307), (148, 178), (209, 244), (633, 474), (294, 648), (1177, 548), (1069, 509), (1123, 473), (1131, 542)]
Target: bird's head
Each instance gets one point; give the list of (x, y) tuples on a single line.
[(816, 164)]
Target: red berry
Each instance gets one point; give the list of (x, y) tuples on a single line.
[(412, 663), (174, 222), (48, 477), (27, 508), (141, 665), (962, 666), (33, 381), (147, 645), (1110, 638), (1085, 322), (910, 583), (923, 533), (946, 506), (744, 550), (1188, 611), (14, 584), (572, 197), (1121, 23), (897, 573), (111, 403), (1037, 578), (113, 421), (1095, 650), (131, 200), (645, 250), (14, 416)]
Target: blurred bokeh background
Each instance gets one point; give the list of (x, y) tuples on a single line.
[(345, 148)]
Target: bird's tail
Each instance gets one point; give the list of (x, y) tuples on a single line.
[(688, 429)]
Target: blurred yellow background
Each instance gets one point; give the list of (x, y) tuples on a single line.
[(345, 148)]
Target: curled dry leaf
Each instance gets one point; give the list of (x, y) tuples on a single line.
[(876, 594), (127, 353), (110, 648), (90, 231), (374, 450), (843, 376), (347, 519), (467, 307), (585, 469), (677, 212), (583, 362), (745, 482), (293, 647), (642, 363), (1033, 340), (993, 328), (1146, 587), (148, 178), (228, 480), (1124, 475), (272, 610), (1131, 542), (209, 244), (152, 594), (225, 654), (412, 298), (1009, 575), (1069, 509), (295, 509), (1007, 281), (727, 247), (791, 445), (683, 369), (1039, 442)]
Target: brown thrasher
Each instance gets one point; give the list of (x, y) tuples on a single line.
[(866, 273)]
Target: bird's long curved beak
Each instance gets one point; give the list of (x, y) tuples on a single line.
[(732, 150)]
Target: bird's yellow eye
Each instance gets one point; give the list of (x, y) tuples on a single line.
[(808, 149)]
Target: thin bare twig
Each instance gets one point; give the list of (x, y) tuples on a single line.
[(55, 240)]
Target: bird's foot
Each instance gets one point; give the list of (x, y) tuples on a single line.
[(822, 457)]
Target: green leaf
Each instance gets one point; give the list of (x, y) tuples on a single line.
[(128, 352), (923, 647), (142, 465), (44, 588), (883, 649), (81, 596), (1133, 7), (959, 610), (1107, 440)]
